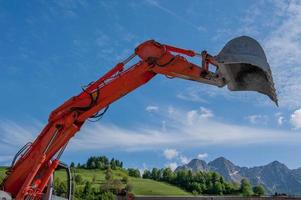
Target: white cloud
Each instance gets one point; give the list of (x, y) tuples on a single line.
[(280, 120), (195, 115), (205, 113), (184, 160), (278, 31), (179, 134), (144, 167), (296, 119), (152, 108), (170, 153), (171, 110), (172, 166), (13, 136), (191, 94), (202, 156), (283, 51), (257, 119), (192, 116)]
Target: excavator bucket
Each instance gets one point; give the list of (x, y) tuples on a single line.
[(244, 67)]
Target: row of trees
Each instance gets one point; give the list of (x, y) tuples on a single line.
[(202, 182), (134, 172), (99, 162), (89, 190), (85, 191)]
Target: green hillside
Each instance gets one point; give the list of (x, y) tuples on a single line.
[(2, 173), (140, 186)]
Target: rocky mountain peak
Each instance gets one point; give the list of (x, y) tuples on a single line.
[(194, 165), (275, 176)]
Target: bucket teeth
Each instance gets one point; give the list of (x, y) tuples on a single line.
[(243, 65)]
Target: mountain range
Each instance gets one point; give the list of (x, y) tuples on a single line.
[(275, 176)]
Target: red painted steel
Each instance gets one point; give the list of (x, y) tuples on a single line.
[(28, 177)]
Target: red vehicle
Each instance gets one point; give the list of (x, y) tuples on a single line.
[(241, 65)]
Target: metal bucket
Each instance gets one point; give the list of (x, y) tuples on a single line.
[(244, 67)]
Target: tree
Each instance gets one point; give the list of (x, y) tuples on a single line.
[(218, 188), (258, 190), (107, 196), (60, 187), (109, 174), (87, 192), (134, 172), (104, 160), (231, 188), (125, 179), (113, 185), (147, 174), (72, 165), (167, 175), (129, 187), (117, 185), (99, 165), (196, 188), (113, 164), (245, 188)]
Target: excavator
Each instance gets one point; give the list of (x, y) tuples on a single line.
[(241, 66)]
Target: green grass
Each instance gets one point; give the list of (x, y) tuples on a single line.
[(2, 170), (140, 186), (151, 187), (2, 173)]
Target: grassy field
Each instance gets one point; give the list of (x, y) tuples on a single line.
[(2, 173), (140, 186)]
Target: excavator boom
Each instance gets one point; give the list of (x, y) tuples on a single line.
[(241, 65)]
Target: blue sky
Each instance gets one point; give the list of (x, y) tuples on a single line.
[(51, 48)]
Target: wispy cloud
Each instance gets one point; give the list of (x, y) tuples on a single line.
[(280, 118), (283, 50), (170, 153), (296, 119), (257, 119), (172, 165), (184, 160), (13, 136), (178, 134), (202, 156), (193, 116), (278, 31), (152, 108), (174, 14), (191, 94)]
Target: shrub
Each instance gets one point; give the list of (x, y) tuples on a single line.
[(78, 179), (258, 190), (129, 187), (107, 196)]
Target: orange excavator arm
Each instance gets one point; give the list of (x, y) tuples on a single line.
[(29, 175)]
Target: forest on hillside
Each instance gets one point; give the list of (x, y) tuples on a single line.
[(199, 183)]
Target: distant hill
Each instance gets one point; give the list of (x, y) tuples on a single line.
[(275, 176), (140, 186)]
